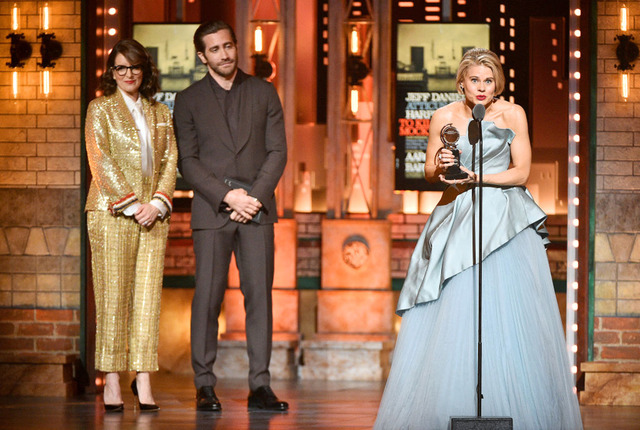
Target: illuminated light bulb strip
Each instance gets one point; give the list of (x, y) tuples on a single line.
[(107, 34), (572, 191)]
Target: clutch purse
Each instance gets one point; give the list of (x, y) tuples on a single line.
[(234, 183)]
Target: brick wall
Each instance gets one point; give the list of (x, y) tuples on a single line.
[(617, 241), (40, 190), (616, 339), (37, 331)]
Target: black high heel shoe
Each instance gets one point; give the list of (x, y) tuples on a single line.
[(143, 406)]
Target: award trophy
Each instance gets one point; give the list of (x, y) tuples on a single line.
[(449, 135)]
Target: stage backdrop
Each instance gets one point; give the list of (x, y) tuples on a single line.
[(427, 59), (171, 46)]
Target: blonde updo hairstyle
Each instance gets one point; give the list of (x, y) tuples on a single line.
[(480, 57)]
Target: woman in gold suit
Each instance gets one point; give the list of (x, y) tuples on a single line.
[(132, 154)]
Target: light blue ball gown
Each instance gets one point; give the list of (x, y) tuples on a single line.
[(525, 372)]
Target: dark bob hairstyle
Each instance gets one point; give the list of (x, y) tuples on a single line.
[(135, 53)]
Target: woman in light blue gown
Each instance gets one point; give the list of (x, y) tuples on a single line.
[(525, 366)]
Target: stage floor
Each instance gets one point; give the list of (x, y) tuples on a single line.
[(314, 405)]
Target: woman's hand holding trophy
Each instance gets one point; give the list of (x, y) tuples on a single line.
[(448, 159)]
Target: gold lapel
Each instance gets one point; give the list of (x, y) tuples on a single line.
[(125, 113)]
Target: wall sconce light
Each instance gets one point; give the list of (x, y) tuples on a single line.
[(627, 52), (624, 17), (357, 69), (262, 67), (20, 49), (50, 50)]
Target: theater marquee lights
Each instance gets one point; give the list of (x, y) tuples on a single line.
[(573, 241)]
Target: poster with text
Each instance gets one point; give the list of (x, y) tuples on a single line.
[(427, 59)]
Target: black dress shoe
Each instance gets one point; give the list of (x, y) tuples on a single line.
[(206, 399), (114, 408), (144, 407), (264, 398)]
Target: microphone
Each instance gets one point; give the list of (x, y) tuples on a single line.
[(478, 112), (473, 131)]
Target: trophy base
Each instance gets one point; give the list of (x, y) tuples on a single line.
[(458, 175)]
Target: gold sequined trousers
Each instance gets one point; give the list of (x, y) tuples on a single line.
[(128, 263)]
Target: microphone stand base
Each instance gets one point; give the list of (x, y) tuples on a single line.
[(481, 423)]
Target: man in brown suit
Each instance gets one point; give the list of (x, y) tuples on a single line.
[(230, 125)]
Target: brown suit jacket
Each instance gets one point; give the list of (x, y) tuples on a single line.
[(207, 153)]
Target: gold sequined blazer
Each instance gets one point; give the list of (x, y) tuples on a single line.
[(113, 151)]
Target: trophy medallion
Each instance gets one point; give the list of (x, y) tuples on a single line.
[(449, 136)]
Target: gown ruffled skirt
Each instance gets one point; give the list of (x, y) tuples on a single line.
[(525, 373)]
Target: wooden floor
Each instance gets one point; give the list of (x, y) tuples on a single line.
[(314, 405)]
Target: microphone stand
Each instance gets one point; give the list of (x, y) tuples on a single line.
[(479, 423), (478, 118)]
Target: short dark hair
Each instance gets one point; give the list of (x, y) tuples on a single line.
[(210, 27), (135, 53)]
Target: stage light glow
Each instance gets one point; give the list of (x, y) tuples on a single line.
[(354, 99), (45, 17), (15, 85), (257, 39), (354, 40), (15, 17), (46, 82), (624, 85), (624, 18)]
